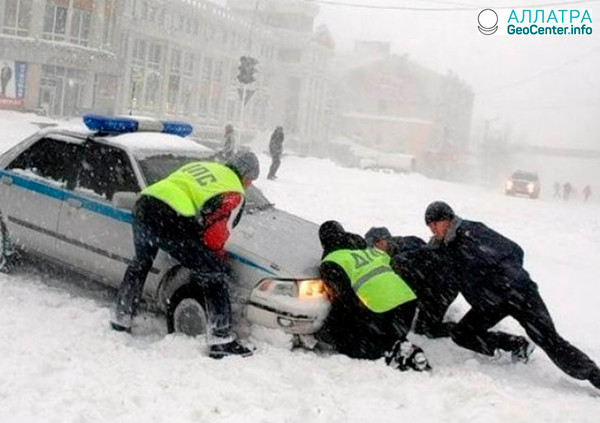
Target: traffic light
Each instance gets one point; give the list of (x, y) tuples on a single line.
[(247, 69)]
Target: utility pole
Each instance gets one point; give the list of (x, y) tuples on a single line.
[(246, 77)]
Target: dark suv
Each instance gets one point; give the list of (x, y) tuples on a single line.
[(523, 183)]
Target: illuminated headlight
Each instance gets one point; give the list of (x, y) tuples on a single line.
[(310, 288), (530, 187), (509, 185), (305, 289)]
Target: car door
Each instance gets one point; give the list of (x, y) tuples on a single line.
[(97, 236), (35, 183)]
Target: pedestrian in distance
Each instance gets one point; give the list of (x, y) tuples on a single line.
[(567, 188), (228, 143), (557, 190), (493, 281), (423, 270), (189, 214), (587, 192), (371, 307), (276, 150)]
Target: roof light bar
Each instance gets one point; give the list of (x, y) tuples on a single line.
[(124, 124)]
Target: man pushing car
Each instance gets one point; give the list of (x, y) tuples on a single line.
[(189, 215)]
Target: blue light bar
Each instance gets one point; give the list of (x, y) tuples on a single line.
[(124, 124)]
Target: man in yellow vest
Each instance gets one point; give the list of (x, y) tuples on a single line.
[(371, 306), (189, 215)]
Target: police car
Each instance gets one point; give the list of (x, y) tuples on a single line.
[(66, 196)]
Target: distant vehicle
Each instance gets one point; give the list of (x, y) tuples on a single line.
[(523, 183), (66, 196)]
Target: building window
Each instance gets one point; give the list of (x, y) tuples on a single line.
[(205, 84), (17, 17), (80, 27), (155, 56), (55, 22), (108, 23)]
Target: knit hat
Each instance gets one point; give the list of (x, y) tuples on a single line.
[(438, 210), (245, 163), (377, 234)]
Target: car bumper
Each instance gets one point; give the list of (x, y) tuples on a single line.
[(292, 315)]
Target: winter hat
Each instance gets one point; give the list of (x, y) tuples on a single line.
[(245, 163), (377, 234), (438, 210), (331, 230)]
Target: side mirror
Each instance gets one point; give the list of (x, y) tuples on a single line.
[(124, 199)]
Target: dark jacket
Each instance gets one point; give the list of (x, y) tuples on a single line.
[(433, 280), (276, 143), (489, 266), (400, 244), (351, 328)]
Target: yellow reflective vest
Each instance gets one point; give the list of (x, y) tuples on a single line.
[(375, 283), (187, 189)]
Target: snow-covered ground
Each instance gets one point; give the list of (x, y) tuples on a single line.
[(59, 361)]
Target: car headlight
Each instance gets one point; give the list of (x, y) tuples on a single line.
[(310, 288), (305, 289), (530, 187), (509, 184)]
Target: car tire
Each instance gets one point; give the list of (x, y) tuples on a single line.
[(186, 313), (8, 255)]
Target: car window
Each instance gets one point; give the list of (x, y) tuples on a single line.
[(49, 159), (528, 176), (256, 200), (159, 166), (105, 170)]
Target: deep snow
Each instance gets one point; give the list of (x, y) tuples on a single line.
[(59, 361)]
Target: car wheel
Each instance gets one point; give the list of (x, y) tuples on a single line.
[(8, 255), (186, 313)]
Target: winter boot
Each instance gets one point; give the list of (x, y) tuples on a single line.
[(231, 348), (404, 356), (522, 351), (119, 321), (594, 378)]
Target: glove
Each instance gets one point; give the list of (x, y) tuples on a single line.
[(404, 356)]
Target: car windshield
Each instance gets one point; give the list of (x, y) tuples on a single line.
[(256, 200), (528, 176), (159, 166)]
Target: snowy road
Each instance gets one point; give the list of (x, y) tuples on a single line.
[(59, 362)]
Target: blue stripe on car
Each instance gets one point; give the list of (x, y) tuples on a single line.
[(94, 206), (250, 263)]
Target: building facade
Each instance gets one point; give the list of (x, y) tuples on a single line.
[(391, 103), (58, 56), (176, 59)]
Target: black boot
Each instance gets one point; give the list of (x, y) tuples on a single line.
[(595, 378), (522, 350), (230, 348)]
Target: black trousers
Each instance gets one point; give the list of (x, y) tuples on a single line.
[(157, 226), (360, 333), (275, 162), (526, 306)]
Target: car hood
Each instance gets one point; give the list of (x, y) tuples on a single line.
[(285, 244)]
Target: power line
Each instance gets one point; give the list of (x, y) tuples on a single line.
[(461, 7), (547, 71)]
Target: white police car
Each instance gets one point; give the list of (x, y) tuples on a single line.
[(66, 196)]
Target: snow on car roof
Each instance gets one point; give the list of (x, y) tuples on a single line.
[(143, 144)]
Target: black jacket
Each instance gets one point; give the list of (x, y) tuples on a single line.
[(276, 143), (488, 265)]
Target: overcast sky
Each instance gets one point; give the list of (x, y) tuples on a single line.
[(546, 87)]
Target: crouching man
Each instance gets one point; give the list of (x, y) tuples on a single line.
[(189, 215), (371, 307), (493, 281)]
